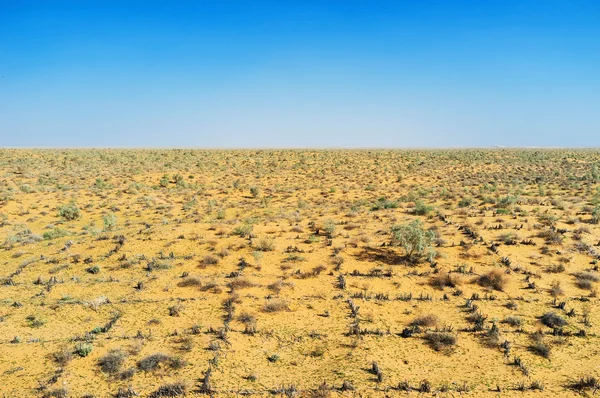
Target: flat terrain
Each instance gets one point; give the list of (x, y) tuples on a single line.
[(299, 272)]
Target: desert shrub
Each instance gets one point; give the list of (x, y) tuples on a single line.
[(243, 230), (93, 270), (56, 233), (586, 383), (540, 348), (209, 259), (176, 389), (440, 340), (83, 349), (63, 356), (127, 374), (175, 310), (425, 321), (553, 320), (413, 239), (555, 289), (60, 392), (211, 285), (495, 279), (36, 321), (329, 228), (513, 321), (190, 281), (254, 191), (276, 305), (444, 279), (110, 221), (276, 286), (69, 212), (241, 282), (126, 392), (596, 215), (112, 362), (586, 280), (556, 268), (154, 361), (465, 202), (265, 245), (425, 386), (421, 209), (318, 269), (492, 336), (384, 203), (551, 237), (246, 318)]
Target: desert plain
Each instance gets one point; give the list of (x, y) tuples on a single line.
[(311, 273)]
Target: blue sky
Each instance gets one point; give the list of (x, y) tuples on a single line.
[(299, 73)]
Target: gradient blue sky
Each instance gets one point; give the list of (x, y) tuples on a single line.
[(299, 73)]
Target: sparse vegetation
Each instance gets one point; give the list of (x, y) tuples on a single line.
[(127, 266)]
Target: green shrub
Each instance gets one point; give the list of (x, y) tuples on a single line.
[(83, 349), (110, 221), (421, 209), (384, 203), (465, 202), (413, 239), (69, 212), (56, 233), (36, 321), (596, 215)]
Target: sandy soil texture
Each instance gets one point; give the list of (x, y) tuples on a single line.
[(312, 273)]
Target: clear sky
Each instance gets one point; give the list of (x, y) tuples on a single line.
[(288, 73)]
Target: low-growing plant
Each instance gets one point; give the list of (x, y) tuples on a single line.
[(440, 341), (112, 362), (495, 279)]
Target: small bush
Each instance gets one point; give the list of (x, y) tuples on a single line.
[(209, 259), (425, 321), (62, 357), (276, 305), (190, 281), (440, 340), (421, 209), (175, 310), (153, 362), (444, 279), (69, 212), (36, 321), (541, 349), (109, 221), (83, 349), (241, 282), (586, 280), (93, 270), (265, 245), (60, 392), (553, 320), (170, 390), (586, 383), (513, 321), (112, 362), (55, 233), (495, 279)]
